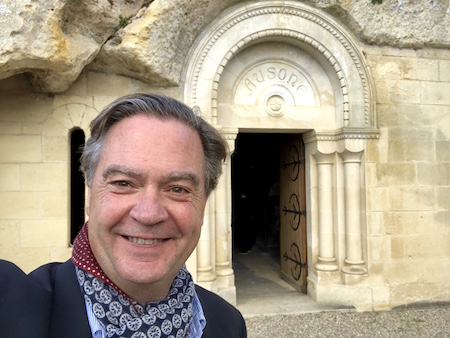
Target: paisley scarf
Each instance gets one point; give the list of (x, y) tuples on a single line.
[(121, 316)]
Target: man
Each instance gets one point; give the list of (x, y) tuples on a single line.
[(150, 166)]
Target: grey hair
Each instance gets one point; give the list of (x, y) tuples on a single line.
[(164, 108)]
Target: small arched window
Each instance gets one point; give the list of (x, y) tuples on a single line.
[(77, 188)]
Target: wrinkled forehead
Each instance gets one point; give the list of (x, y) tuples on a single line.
[(144, 135)]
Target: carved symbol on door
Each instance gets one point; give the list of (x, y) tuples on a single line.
[(296, 261), (294, 163), (295, 211), (292, 208)]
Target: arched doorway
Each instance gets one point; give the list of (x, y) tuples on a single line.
[(282, 67)]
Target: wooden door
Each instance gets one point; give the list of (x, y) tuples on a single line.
[(293, 213)]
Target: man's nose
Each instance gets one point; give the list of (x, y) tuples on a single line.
[(149, 208)]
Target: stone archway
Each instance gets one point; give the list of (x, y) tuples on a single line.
[(286, 67)]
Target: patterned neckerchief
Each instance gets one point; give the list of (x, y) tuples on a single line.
[(120, 315)]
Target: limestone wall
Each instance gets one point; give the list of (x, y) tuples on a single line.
[(408, 176)]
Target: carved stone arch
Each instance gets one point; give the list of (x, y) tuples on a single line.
[(248, 25), (56, 129)]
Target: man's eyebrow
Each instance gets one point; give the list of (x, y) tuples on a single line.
[(172, 176), (183, 176), (119, 169)]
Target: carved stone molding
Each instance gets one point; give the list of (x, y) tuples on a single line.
[(317, 21), (340, 134)]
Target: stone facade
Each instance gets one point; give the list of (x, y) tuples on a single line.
[(369, 98)]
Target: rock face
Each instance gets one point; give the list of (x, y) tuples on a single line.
[(53, 41), (153, 47)]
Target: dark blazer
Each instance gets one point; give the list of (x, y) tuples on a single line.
[(48, 303)]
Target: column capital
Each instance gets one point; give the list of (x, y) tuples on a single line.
[(229, 134), (353, 139), (351, 156), (322, 158)]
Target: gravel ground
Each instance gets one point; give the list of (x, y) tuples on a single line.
[(432, 321)]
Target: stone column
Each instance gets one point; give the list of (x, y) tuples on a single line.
[(205, 247), (327, 258), (352, 188), (223, 230), (223, 211)]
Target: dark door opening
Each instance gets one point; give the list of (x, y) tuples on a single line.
[(255, 186), (257, 217)]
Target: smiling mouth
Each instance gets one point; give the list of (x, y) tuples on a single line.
[(144, 241)]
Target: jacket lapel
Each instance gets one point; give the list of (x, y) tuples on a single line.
[(69, 318)]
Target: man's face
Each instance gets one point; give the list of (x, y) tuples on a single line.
[(146, 203)]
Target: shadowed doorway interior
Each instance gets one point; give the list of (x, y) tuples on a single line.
[(256, 220)]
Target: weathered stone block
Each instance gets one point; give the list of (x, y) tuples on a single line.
[(438, 271), (55, 204), (388, 114), (98, 83), (420, 69), (43, 233), (385, 67), (55, 148), (443, 151), (416, 132), (381, 297), (10, 128), (443, 198), (10, 235), (446, 242), (435, 93), (20, 205), (405, 271), (379, 248), (434, 222), (435, 174), (44, 176), (411, 293), (406, 150), (409, 115), (375, 223), (396, 174), (21, 108), (399, 91), (377, 199), (403, 222), (66, 100), (23, 148), (32, 128), (10, 177), (411, 198), (423, 246), (397, 248)]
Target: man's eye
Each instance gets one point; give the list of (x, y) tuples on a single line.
[(178, 190), (122, 184)]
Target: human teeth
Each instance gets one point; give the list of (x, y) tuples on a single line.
[(144, 241)]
